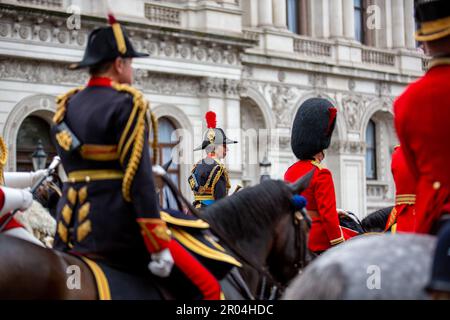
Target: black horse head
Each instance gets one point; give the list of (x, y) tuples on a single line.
[(260, 221)]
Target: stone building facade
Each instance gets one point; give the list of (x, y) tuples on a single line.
[(251, 61)]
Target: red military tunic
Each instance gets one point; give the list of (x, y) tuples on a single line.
[(422, 120), (403, 216), (325, 230)]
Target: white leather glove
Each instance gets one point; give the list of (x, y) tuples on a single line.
[(16, 199), (23, 179), (161, 264)]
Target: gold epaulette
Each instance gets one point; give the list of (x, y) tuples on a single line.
[(135, 140), (61, 103), (317, 164)]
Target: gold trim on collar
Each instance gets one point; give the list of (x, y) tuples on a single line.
[(317, 164), (102, 282), (199, 224), (93, 175), (200, 248)]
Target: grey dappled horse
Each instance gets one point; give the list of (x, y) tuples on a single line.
[(349, 271)]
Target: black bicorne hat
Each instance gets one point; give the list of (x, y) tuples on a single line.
[(440, 274), (433, 18), (214, 136), (106, 44), (313, 126)]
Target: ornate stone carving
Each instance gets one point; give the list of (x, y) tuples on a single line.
[(347, 147), (57, 73), (383, 89), (212, 87), (39, 71), (47, 28), (281, 76), (282, 100), (353, 106), (317, 80), (232, 88)]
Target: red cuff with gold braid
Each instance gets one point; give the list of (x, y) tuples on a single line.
[(156, 234)]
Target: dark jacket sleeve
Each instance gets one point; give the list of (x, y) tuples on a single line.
[(134, 156)]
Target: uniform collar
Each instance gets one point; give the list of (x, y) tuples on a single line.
[(99, 82)]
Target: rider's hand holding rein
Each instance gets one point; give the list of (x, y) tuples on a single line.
[(12, 199), (161, 264)]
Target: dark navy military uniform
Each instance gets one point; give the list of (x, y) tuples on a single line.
[(94, 218), (108, 213), (209, 181)]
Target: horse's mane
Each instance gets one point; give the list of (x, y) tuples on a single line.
[(250, 211), (376, 221)]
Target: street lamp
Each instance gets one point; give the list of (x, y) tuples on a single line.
[(265, 165), (39, 157)]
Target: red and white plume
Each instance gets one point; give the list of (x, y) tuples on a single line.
[(211, 121)]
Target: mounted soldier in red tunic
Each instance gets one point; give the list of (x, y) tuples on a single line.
[(422, 118), (311, 135)]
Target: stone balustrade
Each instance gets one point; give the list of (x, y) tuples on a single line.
[(162, 14)]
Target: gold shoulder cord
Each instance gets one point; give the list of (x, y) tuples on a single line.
[(61, 103), (136, 139), (3, 159)]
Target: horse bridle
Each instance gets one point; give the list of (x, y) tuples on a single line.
[(239, 254)]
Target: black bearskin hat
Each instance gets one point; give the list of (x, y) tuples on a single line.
[(313, 126)]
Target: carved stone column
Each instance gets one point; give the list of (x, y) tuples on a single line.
[(410, 24), (280, 14), (349, 19), (398, 24), (336, 21), (265, 13)]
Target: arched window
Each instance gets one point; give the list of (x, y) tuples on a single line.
[(371, 151), (32, 130), (166, 143), (359, 6)]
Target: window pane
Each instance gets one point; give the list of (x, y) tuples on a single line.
[(292, 15), (371, 153), (358, 25), (165, 129)]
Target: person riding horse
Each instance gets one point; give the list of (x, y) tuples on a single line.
[(209, 179), (422, 117), (311, 135), (13, 195), (108, 214), (403, 216)]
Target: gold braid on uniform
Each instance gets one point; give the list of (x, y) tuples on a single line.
[(3, 159), (136, 138), (155, 137), (61, 103)]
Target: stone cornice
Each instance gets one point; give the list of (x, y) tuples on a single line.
[(48, 28)]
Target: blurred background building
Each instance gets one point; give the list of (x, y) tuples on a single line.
[(251, 61)]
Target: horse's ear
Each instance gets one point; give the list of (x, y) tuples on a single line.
[(302, 183)]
